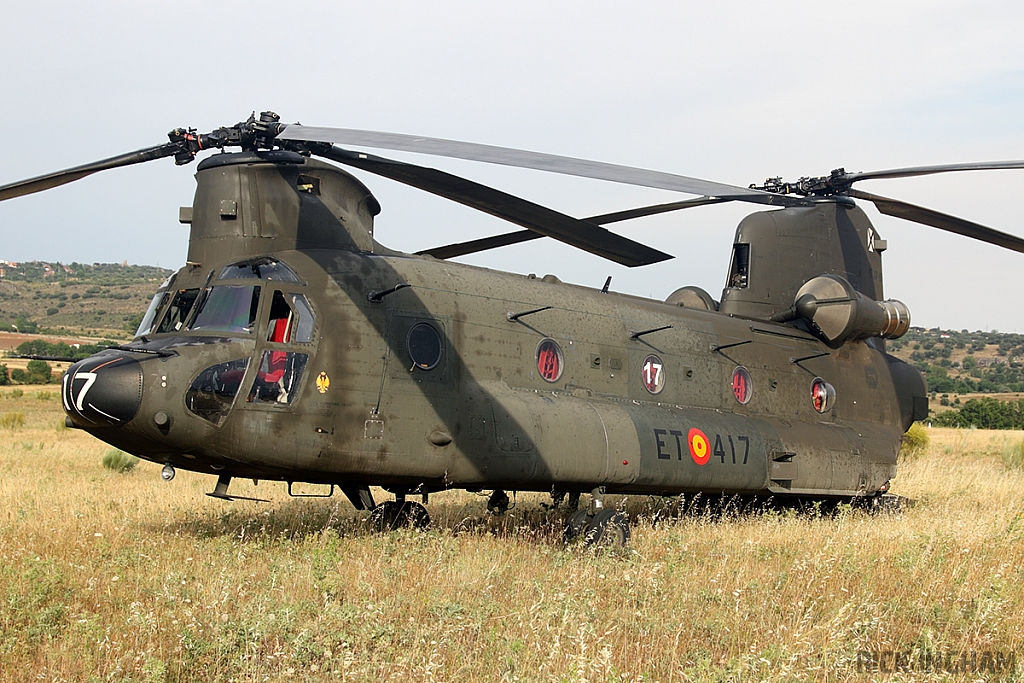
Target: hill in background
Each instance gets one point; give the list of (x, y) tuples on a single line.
[(106, 300), (97, 300)]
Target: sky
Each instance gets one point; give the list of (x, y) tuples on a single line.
[(732, 92)]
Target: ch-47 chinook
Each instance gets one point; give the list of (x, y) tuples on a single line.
[(293, 347)]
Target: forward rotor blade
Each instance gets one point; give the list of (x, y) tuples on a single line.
[(919, 214), (519, 236), (542, 162), (580, 234), (51, 180), (930, 170)]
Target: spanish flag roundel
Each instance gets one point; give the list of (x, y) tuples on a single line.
[(700, 449)]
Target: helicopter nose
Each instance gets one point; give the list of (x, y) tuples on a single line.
[(104, 390)]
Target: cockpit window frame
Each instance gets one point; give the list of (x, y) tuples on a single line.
[(279, 271)]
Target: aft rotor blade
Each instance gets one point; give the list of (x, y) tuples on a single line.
[(930, 170), (580, 234), (50, 180), (535, 160), (473, 246), (919, 214)]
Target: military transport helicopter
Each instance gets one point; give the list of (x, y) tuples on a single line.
[(292, 346)]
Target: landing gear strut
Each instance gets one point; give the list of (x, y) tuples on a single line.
[(558, 496)]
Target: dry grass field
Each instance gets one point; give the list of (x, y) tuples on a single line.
[(123, 577)]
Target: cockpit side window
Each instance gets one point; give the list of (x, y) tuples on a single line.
[(177, 311), (290, 323), (281, 320), (228, 309), (303, 327), (278, 377), (156, 306), (151, 313)]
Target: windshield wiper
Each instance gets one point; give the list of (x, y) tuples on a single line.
[(155, 352)]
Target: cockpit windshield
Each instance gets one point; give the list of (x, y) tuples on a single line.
[(228, 309), (178, 310)]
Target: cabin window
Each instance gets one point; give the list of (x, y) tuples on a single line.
[(259, 269), (823, 395), (214, 390), (278, 377), (228, 309), (739, 272), (550, 361), (742, 385), (425, 347), (178, 311)]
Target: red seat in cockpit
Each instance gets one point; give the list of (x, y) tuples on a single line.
[(274, 367)]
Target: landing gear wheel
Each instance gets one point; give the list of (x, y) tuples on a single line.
[(575, 525), (498, 503), (608, 528), (391, 515)]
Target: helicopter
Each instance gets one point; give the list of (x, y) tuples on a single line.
[(294, 347)]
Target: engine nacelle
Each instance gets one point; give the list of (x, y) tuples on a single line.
[(839, 313)]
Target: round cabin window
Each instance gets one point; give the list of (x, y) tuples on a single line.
[(742, 385), (424, 346), (549, 360), (653, 374), (823, 395)]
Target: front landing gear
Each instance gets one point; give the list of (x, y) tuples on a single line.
[(598, 525), (399, 514)]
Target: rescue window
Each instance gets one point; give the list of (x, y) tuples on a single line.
[(214, 390), (259, 269), (277, 380), (549, 360), (228, 309), (425, 347), (178, 311)]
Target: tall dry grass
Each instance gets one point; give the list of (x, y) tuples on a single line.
[(117, 577)]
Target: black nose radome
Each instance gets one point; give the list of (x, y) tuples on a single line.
[(103, 390)]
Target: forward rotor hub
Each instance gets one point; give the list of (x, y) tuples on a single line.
[(250, 135), (837, 183)]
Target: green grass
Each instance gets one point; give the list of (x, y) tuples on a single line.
[(12, 421), (119, 461)]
